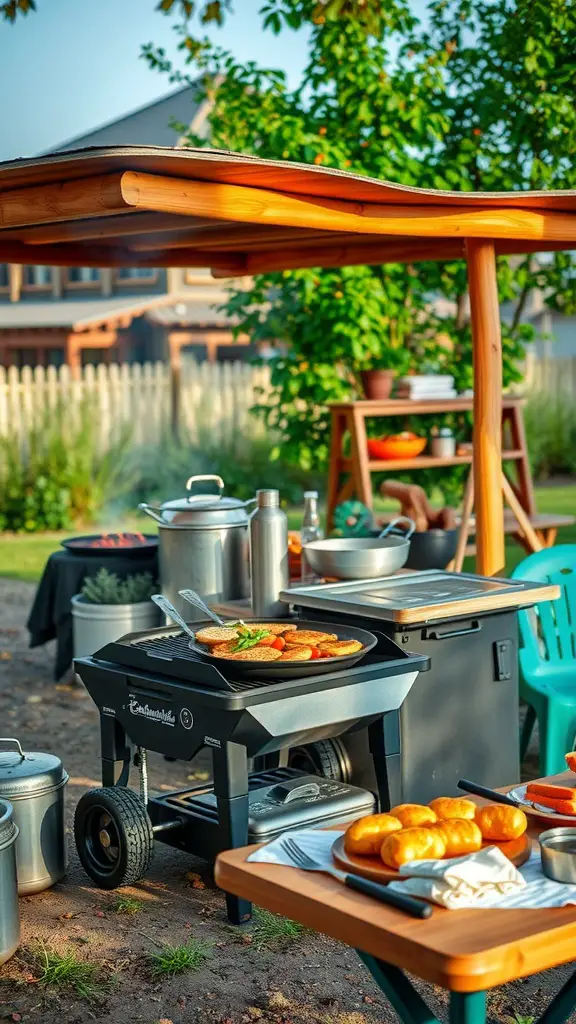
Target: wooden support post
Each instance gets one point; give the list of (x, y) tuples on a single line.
[(487, 354)]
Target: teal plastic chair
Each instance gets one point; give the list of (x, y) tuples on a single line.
[(548, 657)]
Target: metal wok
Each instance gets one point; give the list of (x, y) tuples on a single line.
[(361, 558)]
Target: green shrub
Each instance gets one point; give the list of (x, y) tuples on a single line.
[(107, 588), (243, 462), (58, 478), (551, 434)]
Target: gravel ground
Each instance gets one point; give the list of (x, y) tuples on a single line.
[(249, 975)]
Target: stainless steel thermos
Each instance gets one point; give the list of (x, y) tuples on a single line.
[(9, 914), (34, 785), (268, 555)]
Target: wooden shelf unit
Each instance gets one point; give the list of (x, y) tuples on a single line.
[(350, 417)]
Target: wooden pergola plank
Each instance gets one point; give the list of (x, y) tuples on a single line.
[(113, 226), (77, 255), (261, 206), (67, 200)]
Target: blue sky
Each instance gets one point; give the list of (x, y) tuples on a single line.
[(74, 65)]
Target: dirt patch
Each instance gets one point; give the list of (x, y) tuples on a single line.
[(241, 975)]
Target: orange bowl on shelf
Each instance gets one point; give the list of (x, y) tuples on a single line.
[(396, 447)]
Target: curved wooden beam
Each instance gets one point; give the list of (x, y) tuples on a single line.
[(262, 206)]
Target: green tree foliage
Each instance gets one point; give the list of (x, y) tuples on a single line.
[(480, 97)]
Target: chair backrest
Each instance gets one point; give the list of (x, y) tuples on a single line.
[(548, 630)]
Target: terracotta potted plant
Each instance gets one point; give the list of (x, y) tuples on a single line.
[(377, 376)]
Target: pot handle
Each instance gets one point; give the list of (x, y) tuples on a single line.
[(205, 476), (17, 744), (156, 513), (399, 519)]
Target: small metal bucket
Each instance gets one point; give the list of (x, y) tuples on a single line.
[(9, 913)]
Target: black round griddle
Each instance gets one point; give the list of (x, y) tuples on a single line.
[(84, 545), (295, 669)]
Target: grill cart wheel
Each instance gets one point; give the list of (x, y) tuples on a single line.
[(327, 758), (114, 836)]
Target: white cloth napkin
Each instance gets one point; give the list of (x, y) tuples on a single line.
[(476, 880), (535, 890)]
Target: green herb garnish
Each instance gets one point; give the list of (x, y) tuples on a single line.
[(249, 638)]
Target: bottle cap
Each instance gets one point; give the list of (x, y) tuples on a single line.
[(310, 494), (268, 499)]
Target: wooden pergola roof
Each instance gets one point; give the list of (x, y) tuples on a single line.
[(239, 215)]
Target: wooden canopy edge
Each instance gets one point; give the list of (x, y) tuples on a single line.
[(226, 167)]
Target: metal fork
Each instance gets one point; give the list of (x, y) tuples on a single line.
[(410, 905)]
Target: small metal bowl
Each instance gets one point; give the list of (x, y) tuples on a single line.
[(558, 853)]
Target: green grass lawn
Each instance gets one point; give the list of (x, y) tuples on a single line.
[(22, 556)]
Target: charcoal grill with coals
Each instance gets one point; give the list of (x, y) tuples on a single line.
[(155, 693)]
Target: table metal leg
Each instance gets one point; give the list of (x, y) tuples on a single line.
[(562, 1005), (467, 1007), (400, 992)]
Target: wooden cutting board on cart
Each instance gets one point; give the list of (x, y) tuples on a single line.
[(517, 851)]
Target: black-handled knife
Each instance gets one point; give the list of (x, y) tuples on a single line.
[(410, 905), (488, 794)]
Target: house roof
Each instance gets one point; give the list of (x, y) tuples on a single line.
[(147, 126), (127, 205), (188, 313), (75, 314)]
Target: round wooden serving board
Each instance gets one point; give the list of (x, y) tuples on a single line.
[(517, 850)]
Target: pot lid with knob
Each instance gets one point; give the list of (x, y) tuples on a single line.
[(29, 773), (200, 511)]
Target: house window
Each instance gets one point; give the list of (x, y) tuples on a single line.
[(83, 277), (4, 277), (136, 275), (54, 357), (37, 277)]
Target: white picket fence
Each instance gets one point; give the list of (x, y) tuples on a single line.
[(210, 397), (554, 377)]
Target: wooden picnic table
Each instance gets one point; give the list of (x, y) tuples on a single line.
[(466, 952)]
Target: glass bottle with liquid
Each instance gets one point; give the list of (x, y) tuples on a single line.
[(310, 530)]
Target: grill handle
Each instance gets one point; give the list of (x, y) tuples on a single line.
[(447, 634)]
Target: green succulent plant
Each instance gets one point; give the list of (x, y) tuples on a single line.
[(107, 588)]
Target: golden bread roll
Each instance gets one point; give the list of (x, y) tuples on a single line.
[(414, 815), (365, 836), (311, 637), (446, 807), (461, 836), (296, 654), (248, 654), (337, 648), (277, 628), (500, 822), (412, 844), (212, 635)]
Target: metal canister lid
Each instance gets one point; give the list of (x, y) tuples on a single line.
[(8, 830), (27, 774)]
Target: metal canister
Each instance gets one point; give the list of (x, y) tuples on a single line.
[(9, 913), (34, 784), (268, 555)]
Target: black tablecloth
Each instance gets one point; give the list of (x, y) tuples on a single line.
[(51, 616)]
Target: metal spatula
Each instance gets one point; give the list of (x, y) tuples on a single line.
[(168, 608), (194, 599)]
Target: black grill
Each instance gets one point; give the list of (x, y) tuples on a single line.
[(176, 646)]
